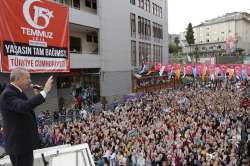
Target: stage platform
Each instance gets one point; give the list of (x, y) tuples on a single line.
[(64, 155)]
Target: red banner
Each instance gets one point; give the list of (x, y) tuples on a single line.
[(34, 35), (199, 68), (189, 69), (177, 66), (210, 68), (168, 68), (223, 68), (157, 66), (248, 69)]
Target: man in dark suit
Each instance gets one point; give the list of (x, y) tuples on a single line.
[(19, 121)]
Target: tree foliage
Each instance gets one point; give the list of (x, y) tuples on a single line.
[(177, 41), (190, 34)]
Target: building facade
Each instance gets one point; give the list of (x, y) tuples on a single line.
[(225, 35), (107, 40)]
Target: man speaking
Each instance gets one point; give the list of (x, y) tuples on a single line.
[(19, 121)]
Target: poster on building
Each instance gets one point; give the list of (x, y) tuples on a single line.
[(230, 44), (34, 35)]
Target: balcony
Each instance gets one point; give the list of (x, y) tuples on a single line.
[(83, 12), (83, 18), (85, 60), (84, 47)]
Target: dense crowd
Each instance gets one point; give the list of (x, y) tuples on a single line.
[(198, 124), (194, 125)]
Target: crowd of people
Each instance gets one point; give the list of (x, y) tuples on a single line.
[(84, 96), (199, 124)]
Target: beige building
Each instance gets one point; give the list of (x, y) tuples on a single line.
[(227, 34)]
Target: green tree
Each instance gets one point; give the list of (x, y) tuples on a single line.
[(171, 48), (177, 41), (190, 35), (174, 47)]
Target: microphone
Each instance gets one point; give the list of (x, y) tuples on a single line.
[(36, 87)]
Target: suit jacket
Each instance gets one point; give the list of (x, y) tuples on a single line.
[(19, 120)]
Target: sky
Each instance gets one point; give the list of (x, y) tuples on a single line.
[(181, 12)]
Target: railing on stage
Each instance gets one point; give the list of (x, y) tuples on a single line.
[(64, 155)]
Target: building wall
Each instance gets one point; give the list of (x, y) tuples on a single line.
[(114, 35), (165, 32), (115, 42), (115, 84), (115, 47), (80, 61), (153, 18)]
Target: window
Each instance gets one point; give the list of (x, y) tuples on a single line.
[(149, 52), (88, 3), (157, 31), (154, 8), (132, 2), (142, 27), (148, 55), (148, 5), (132, 25), (94, 4), (141, 4), (89, 38), (139, 25), (95, 39), (75, 44), (133, 53), (91, 4), (76, 4), (144, 52), (140, 54), (68, 2), (154, 53), (157, 53), (157, 10)]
